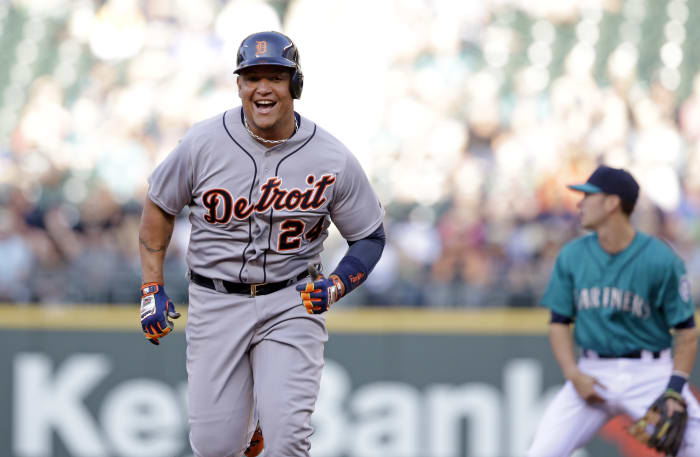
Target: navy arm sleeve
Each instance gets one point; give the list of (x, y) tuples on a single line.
[(360, 259)]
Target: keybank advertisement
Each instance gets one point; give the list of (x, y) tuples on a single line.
[(100, 394)]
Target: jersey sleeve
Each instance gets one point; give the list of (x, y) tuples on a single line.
[(171, 183), (355, 208), (674, 295), (559, 296)]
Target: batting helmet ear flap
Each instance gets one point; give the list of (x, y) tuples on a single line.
[(296, 84)]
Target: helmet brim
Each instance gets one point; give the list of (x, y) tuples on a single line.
[(267, 61)]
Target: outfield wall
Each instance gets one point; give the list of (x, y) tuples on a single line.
[(84, 382)]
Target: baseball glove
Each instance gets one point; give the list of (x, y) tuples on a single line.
[(663, 425)]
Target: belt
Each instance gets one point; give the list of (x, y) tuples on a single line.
[(253, 290), (640, 354)]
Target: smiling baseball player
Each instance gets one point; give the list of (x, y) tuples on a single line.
[(624, 291), (263, 184)]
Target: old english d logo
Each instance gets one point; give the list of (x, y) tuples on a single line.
[(260, 48)]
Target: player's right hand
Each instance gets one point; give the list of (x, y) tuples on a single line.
[(585, 386), (156, 308)]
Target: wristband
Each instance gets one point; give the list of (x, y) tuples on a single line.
[(677, 381)]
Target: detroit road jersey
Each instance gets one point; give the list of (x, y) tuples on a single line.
[(620, 304), (258, 215), (261, 214)]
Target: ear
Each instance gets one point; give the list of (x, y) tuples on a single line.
[(238, 83), (612, 202)]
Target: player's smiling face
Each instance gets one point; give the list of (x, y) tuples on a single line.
[(267, 102)]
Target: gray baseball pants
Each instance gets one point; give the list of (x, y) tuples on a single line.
[(245, 353)]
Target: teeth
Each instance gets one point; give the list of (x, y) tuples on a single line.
[(265, 102)]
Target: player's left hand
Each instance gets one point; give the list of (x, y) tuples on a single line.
[(318, 295), (156, 308), (664, 423)]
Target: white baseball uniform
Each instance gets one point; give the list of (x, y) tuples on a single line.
[(623, 306)]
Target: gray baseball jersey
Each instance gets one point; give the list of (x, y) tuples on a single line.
[(258, 215), (261, 214)]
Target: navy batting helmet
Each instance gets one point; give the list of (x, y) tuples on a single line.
[(271, 48)]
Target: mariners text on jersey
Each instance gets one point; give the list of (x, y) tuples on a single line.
[(613, 298)]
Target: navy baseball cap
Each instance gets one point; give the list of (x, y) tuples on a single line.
[(613, 181)]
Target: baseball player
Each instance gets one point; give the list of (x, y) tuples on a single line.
[(263, 184), (628, 297)]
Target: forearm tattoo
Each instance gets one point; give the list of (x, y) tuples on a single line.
[(156, 249)]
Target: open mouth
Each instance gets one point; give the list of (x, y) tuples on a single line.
[(265, 106)]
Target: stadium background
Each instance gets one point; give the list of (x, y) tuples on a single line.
[(469, 117)]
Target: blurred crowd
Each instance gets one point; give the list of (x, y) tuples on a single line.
[(469, 117)]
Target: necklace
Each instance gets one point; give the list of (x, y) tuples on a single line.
[(259, 138)]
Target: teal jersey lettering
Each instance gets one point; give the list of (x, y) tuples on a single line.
[(620, 302)]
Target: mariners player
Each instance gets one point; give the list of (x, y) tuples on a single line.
[(624, 291), (262, 184)]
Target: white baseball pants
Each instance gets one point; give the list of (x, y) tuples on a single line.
[(632, 385)]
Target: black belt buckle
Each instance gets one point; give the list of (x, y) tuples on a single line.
[(254, 288)]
